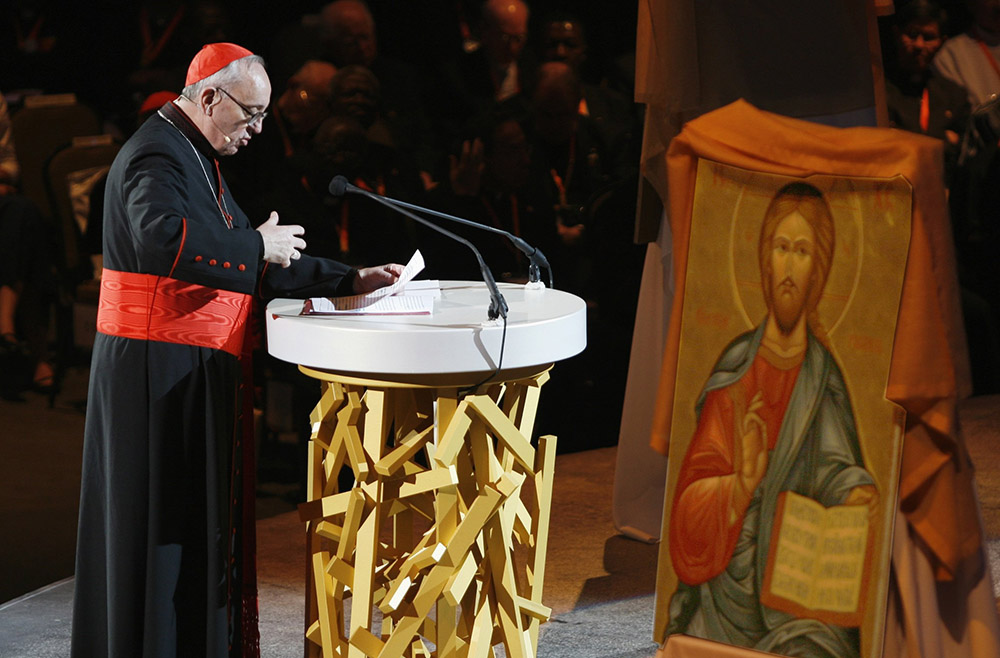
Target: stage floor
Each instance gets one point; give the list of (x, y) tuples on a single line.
[(599, 584)]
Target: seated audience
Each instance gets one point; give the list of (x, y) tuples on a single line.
[(277, 160), (349, 38), (488, 184), (159, 39), (304, 104), (562, 38), (571, 164), (496, 69), (27, 281), (918, 101), (352, 228), (970, 60)]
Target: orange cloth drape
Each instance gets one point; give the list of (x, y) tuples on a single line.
[(930, 369)]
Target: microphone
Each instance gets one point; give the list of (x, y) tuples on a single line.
[(534, 255), (338, 186), (498, 306), (226, 138)]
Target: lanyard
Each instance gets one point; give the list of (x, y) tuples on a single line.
[(150, 50), (562, 182), (925, 111)]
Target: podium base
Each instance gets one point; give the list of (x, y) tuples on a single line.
[(437, 548)]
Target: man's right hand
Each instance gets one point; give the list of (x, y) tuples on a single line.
[(281, 243), (750, 453)]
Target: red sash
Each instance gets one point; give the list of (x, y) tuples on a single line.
[(149, 307)]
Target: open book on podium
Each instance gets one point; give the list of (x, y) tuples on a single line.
[(404, 297), (817, 566)]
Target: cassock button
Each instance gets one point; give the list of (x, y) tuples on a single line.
[(226, 265), (197, 259), (212, 262), (242, 267)]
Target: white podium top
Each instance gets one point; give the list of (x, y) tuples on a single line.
[(543, 326)]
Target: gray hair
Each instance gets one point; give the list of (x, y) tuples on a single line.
[(228, 74)]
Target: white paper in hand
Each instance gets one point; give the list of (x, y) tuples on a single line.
[(376, 302)]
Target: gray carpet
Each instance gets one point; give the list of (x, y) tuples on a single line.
[(37, 626), (599, 584)]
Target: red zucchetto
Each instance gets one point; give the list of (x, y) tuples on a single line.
[(212, 58)]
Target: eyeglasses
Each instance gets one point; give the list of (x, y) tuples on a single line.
[(255, 117)]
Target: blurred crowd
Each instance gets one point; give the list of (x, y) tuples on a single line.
[(942, 65), (518, 116), (515, 116)]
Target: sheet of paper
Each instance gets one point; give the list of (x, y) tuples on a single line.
[(427, 287), (412, 269), (394, 305), (405, 296)]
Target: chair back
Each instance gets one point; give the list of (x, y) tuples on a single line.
[(70, 174), (43, 125)]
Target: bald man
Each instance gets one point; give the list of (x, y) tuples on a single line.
[(497, 73), (305, 103), (348, 30), (504, 34)]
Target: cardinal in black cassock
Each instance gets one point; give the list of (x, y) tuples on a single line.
[(165, 557)]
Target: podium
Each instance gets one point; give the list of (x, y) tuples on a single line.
[(437, 547)]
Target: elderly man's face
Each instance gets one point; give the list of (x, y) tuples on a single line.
[(505, 31), (792, 248), (236, 115), (350, 36)]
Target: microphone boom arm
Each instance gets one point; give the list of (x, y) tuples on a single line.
[(535, 256), (498, 305)]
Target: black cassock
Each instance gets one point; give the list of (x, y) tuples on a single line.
[(160, 554)]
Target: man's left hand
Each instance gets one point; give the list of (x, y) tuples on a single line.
[(864, 494), (373, 278)]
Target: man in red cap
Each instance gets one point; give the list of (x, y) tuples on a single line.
[(165, 560)]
